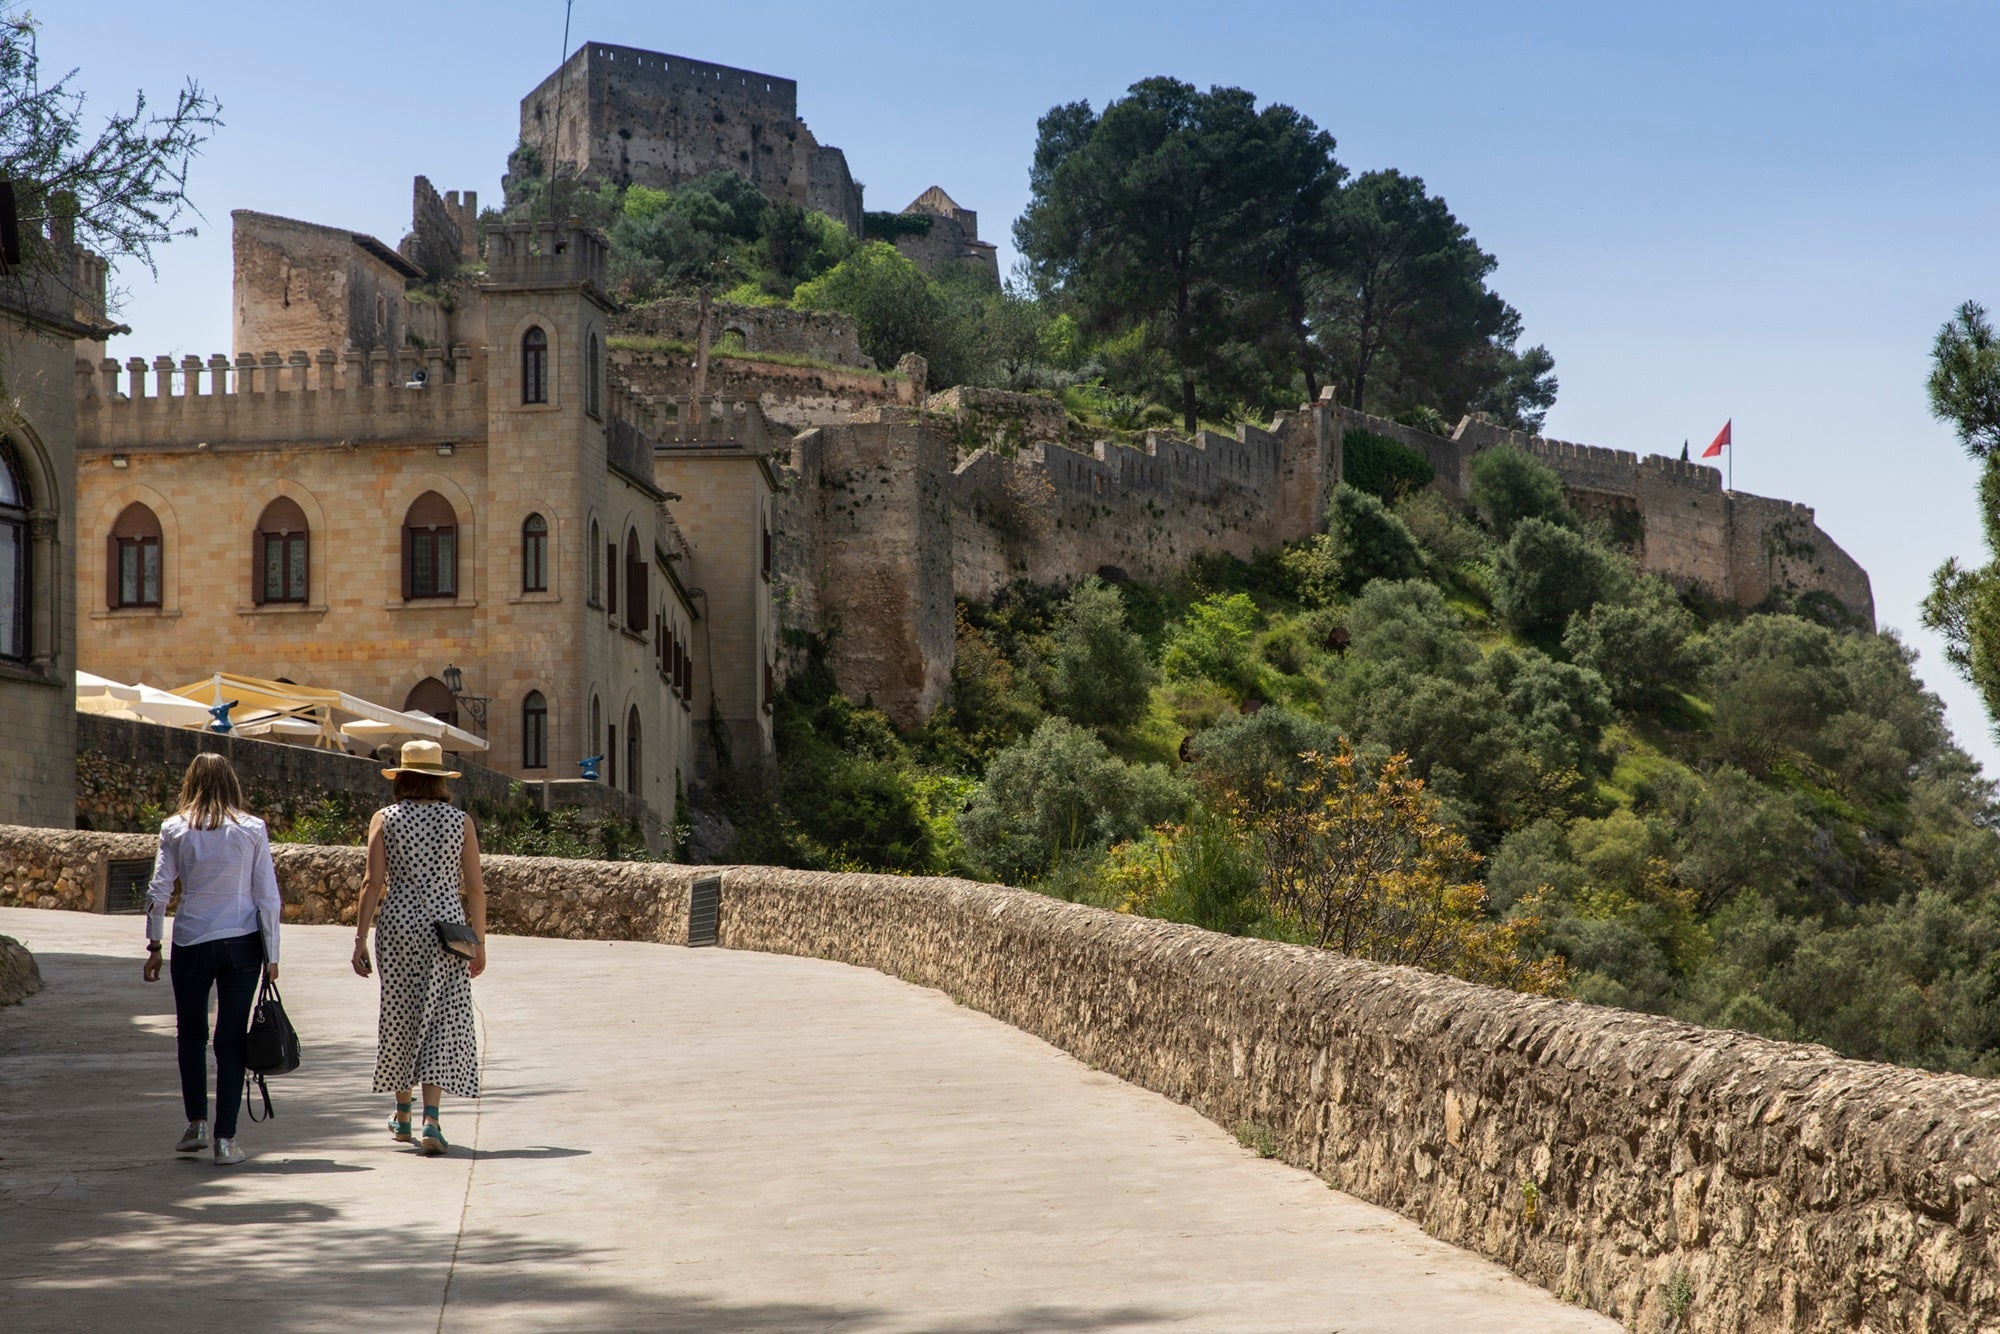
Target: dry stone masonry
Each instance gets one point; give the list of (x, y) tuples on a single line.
[(1676, 1178)]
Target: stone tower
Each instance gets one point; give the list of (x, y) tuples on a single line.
[(616, 113)]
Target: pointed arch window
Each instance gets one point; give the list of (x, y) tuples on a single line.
[(534, 554), (534, 731), (632, 750), (278, 568), (593, 402), (430, 548), (535, 365), (635, 584), (133, 559), (14, 552), (596, 568)]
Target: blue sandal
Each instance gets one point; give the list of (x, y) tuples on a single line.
[(399, 1124), (434, 1143)]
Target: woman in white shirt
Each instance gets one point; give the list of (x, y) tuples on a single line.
[(225, 931)]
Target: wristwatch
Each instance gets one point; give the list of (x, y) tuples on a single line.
[(152, 947)]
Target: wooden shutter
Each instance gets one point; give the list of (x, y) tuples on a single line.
[(111, 585), (257, 568), (611, 577)]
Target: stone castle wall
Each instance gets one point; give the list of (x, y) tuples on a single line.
[(1693, 532), (1019, 506), (1052, 514), (303, 285), (1675, 1178), (817, 334)]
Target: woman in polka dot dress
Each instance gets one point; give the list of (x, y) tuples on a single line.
[(423, 868)]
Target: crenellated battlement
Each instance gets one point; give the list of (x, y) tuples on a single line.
[(712, 419), (272, 397), (547, 254)]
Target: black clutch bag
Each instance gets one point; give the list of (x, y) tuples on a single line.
[(457, 938)]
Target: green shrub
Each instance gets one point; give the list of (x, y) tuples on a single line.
[(1645, 648), (1384, 468), (1099, 673), (1508, 487), (1212, 642), (1547, 574), (1366, 542), (1060, 792)]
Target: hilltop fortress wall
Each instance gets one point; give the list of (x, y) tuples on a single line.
[(879, 518)]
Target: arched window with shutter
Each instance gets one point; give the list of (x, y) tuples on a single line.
[(279, 554), (132, 575), (635, 584), (430, 548), (535, 366), (534, 554), (14, 551), (534, 731)]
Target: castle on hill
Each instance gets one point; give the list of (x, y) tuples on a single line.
[(525, 481)]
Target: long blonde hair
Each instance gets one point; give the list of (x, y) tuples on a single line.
[(210, 794)]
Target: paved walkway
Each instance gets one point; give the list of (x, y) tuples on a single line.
[(672, 1140)]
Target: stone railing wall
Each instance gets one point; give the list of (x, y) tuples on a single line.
[(1675, 1178)]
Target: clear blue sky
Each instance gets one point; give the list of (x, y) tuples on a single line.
[(1759, 211)]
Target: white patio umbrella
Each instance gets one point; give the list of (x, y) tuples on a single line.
[(162, 706), (105, 697)]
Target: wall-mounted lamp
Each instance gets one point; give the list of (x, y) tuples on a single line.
[(447, 448), (454, 681), (121, 460)]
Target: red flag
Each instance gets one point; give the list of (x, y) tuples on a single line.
[(1721, 439)]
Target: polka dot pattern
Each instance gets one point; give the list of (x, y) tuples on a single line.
[(426, 1033)]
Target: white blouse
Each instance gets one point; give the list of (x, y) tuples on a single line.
[(228, 885)]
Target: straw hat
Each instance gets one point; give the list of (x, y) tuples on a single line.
[(422, 757)]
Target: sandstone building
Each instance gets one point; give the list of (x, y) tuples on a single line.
[(51, 311), (632, 117), (363, 517)]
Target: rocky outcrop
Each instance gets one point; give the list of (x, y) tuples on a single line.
[(1677, 1178), (19, 978)]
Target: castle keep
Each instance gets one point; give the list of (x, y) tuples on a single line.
[(632, 117)]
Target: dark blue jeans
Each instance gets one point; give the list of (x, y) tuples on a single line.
[(230, 967)]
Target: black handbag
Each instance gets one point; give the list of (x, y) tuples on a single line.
[(271, 1047), (458, 938)]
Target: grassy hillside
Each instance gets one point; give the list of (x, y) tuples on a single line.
[(1749, 820)]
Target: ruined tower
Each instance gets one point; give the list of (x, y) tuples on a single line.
[(616, 113)]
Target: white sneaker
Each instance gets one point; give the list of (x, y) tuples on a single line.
[(194, 1139), (226, 1153)]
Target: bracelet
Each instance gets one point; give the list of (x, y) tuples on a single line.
[(152, 947)]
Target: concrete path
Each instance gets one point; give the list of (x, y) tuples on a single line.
[(672, 1140)]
